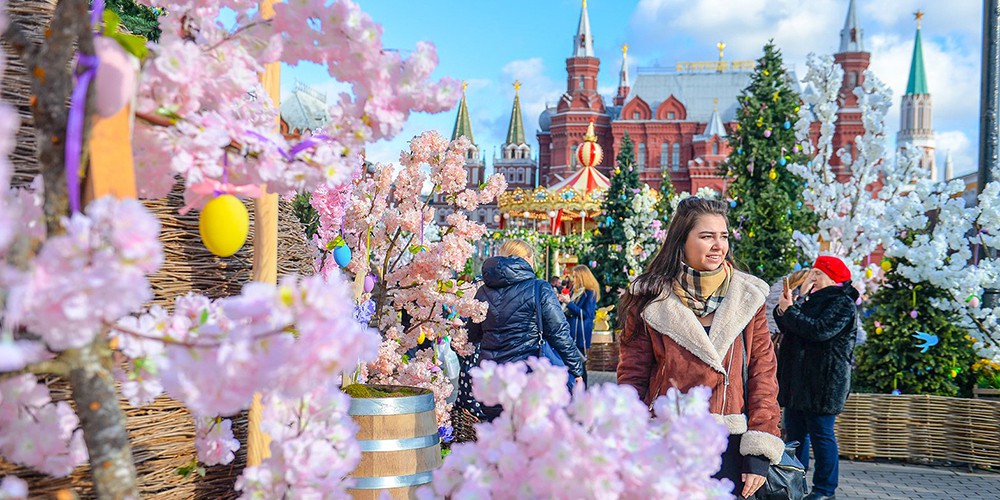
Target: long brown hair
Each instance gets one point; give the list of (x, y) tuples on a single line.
[(666, 266), (582, 277)]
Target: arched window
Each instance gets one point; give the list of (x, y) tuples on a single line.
[(664, 155), (675, 157), (920, 117), (572, 156), (640, 159), (852, 80), (583, 81), (715, 148)]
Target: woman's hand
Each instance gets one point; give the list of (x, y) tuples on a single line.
[(752, 483), (785, 301)]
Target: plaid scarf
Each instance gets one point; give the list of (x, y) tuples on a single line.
[(703, 291)]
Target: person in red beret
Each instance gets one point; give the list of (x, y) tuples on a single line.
[(814, 365)]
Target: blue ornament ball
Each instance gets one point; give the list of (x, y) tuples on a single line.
[(782, 161), (608, 220), (342, 255), (739, 151), (798, 204), (787, 125), (732, 204), (797, 267)]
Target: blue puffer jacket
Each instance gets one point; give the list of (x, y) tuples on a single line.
[(510, 331), (581, 313)]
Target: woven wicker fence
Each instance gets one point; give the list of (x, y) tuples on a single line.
[(921, 427)]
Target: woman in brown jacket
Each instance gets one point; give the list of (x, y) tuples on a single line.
[(687, 320)]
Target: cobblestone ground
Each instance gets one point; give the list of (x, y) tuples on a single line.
[(863, 480)]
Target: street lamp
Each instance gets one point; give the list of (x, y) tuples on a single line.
[(989, 136)]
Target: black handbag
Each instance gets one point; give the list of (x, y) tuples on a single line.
[(786, 480)]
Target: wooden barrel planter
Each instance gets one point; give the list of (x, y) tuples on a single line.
[(400, 445), (603, 353)]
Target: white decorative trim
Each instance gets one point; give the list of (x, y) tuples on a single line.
[(764, 444), (670, 317), (735, 422)]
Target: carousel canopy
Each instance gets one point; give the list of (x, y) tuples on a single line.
[(582, 192)]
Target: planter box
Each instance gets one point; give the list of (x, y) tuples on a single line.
[(921, 427)]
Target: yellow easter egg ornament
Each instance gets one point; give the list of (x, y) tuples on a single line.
[(886, 266), (224, 224), (869, 273)]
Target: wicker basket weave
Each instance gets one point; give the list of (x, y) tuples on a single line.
[(921, 427)]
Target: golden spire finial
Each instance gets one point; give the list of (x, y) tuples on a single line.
[(590, 136), (918, 15), (715, 103), (465, 85), (517, 86), (722, 49), (584, 4), (624, 50)]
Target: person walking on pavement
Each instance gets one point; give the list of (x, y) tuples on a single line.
[(524, 318), (582, 309), (691, 320), (814, 365)]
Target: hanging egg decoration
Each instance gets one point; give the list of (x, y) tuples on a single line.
[(886, 265), (797, 267), (369, 282), (782, 161), (767, 133), (787, 125), (914, 314), (772, 174), (739, 150), (732, 203), (869, 273), (224, 224), (974, 302), (342, 255)]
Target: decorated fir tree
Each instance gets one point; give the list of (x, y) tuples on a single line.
[(664, 209), (768, 198), (138, 19), (608, 244), (912, 346)]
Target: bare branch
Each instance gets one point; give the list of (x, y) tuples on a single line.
[(47, 367)]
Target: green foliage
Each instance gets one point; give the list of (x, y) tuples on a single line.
[(544, 244), (138, 19), (768, 197), (606, 251), (667, 193), (306, 214), (890, 359)]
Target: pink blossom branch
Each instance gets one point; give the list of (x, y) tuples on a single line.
[(191, 345)]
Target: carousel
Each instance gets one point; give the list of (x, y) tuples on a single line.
[(558, 219)]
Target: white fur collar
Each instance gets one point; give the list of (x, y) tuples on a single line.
[(670, 317)]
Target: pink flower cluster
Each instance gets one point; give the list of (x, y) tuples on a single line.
[(36, 432), (389, 224), (107, 252), (280, 339), (221, 139), (214, 441), (601, 443), (312, 448)]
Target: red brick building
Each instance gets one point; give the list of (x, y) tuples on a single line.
[(678, 118)]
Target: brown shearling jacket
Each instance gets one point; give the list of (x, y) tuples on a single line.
[(667, 347)]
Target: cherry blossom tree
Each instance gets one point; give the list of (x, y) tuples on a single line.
[(74, 290), (848, 210), (410, 262)]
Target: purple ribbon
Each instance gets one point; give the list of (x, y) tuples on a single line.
[(300, 147), (86, 70)]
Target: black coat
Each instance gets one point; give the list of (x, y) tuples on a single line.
[(814, 360), (510, 330)]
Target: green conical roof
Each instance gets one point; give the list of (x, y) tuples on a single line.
[(515, 132), (463, 125), (918, 77)]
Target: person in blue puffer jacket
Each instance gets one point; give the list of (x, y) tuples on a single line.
[(511, 330), (582, 308)]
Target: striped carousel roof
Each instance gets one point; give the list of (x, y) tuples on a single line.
[(584, 181)]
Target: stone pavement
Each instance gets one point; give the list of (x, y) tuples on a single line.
[(884, 480)]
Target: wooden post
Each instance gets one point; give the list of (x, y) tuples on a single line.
[(265, 253)]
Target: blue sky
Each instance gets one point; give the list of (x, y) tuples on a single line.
[(490, 44)]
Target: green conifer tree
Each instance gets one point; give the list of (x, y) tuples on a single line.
[(607, 245), (663, 207), (138, 19), (768, 198), (892, 357)]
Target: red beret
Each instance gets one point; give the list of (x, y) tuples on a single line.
[(833, 267)]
